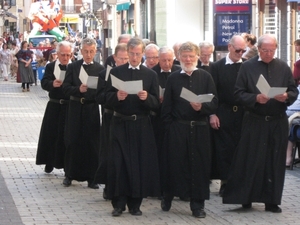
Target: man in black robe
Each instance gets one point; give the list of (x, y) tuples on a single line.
[(226, 123), (206, 50), (121, 57), (132, 160), (83, 119), (258, 167), (187, 136), (163, 69), (51, 146)]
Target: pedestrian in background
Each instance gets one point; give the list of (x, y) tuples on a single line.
[(296, 71)]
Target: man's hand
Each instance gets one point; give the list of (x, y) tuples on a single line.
[(262, 99), (282, 97), (214, 122), (122, 95), (143, 95), (83, 88), (57, 83), (196, 106)]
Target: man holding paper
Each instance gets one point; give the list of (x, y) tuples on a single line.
[(187, 137), (51, 146), (258, 167), (83, 118), (132, 159)]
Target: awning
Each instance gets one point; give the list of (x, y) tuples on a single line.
[(123, 6), (70, 19)]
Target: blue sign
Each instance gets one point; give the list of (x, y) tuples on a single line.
[(229, 25)]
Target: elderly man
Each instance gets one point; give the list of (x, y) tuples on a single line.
[(83, 118), (226, 123), (187, 171), (51, 147), (151, 55), (132, 159), (258, 166), (206, 50)]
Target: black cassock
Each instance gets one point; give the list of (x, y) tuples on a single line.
[(132, 159), (51, 146), (258, 167), (83, 125), (230, 114), (188, 163)]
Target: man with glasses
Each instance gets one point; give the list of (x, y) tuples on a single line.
[(206, 50), (151, 55), (132, 159), (258, 168), (51, 147), (187, 136), (226, 123)]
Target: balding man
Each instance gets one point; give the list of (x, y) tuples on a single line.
[(151, 55), (206, 50)]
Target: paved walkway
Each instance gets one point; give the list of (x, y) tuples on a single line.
[(29, 196)]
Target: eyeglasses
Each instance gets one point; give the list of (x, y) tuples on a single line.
[(132, 54), (238, 50), (268, 50), (153, 58)]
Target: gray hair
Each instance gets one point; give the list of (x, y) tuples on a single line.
[(64, 43), (190, 47), (266, 38), (165, 49), (124, 36), (151, 46), (88, 41), (206, 44)]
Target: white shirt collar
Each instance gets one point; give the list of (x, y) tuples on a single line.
[(134, 68), (229, 61), (84, 63), (161, 70), (182, 71), (259, 59)]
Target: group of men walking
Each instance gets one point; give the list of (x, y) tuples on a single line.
[(154, 142)]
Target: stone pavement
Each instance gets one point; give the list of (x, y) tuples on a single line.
[(29, 196)]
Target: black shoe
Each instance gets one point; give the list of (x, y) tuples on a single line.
[(273, 208), (199, 213), (135, 212), (48, 169), (185, 199), (67, 182), (117, 212), (104, 194), (165, 205), (92, 185), (247, 206), (221, 192)]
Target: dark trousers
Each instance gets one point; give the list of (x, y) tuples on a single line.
[(195, 204), (122, 201)]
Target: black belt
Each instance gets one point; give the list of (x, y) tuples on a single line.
[(59, 101), (234, 108), (82, 100), (108, 111), (266, 118), (133, 117), (192, 122)]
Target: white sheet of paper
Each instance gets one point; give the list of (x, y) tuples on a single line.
[(131, 87), (264, 87), (83, 76), (191, 97), (161, 91), (92, 82), (58, 73), (108, 68)]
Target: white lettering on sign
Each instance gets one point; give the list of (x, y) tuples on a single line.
[(223, 2), (225, 40), (232, 21), (240, 1)]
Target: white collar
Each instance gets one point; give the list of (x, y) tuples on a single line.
[(134, 68), (161, 70), (84, 63), (229, 61), (182, 71)]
